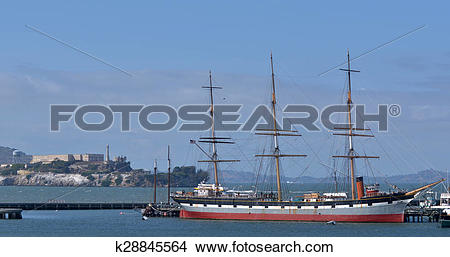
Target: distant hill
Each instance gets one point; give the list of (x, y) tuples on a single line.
[(231, 176), (421, 177), (425, 176), (6, 154), (186, 176)]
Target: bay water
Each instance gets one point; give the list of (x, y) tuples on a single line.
[(129, 222)]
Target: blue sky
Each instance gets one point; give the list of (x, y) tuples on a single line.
[(170, 46)]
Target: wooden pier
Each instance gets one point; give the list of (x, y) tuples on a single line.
[(415, 214), (11, 214), (73, 206)]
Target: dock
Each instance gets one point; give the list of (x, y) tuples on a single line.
[(417, 214), (73, 206), (12, 214)]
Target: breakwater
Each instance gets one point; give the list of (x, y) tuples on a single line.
[(73, 206)]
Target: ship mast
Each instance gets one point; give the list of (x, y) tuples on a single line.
[(349, 118), (351, 152), (213, 139), (275, 132), (154, 180), (213, 132), (168, 174), (275, 136)]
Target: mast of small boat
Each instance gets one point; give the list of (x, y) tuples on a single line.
[(275, 132), (168, 174), (155, 164), (351, 152)]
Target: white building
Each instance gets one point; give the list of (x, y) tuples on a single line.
[(88, 157)]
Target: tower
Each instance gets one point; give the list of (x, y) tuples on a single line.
[(107, 154)]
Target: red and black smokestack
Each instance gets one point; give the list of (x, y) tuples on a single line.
[(360, 187)]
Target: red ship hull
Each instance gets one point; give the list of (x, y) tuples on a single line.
[(389, 218)]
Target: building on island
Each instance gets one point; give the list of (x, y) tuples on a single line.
[(88, 157), (93, 157), (52, 157)]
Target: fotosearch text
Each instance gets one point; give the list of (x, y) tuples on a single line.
[(225, 117)]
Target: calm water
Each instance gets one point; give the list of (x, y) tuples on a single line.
[(129, 223)]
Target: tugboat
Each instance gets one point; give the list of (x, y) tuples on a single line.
[(155, 209), (364, 205)]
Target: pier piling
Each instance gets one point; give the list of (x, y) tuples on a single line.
[(11, 214), (416, 215)]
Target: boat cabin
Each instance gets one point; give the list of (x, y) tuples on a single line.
[(445, 199), (312, 197), (240, 193), (334, 196), (372, 190), (206, 190)]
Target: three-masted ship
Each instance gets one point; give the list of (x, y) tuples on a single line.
[(366, 203)]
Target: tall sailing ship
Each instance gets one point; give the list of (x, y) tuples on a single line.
[(366, 203)]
